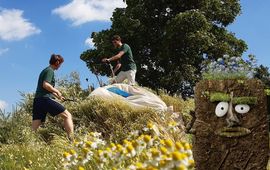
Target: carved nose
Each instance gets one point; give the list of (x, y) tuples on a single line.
[(233, 121)]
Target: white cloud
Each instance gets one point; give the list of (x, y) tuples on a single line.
[(83, 11), (89, 42), (3, 50), (3, 104), (14, 26)]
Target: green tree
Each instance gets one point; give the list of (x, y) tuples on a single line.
[(170, 39), (262, 73)]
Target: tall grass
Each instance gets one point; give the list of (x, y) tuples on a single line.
[(20, 148)]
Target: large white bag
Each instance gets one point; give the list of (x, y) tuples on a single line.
[(139, 97)]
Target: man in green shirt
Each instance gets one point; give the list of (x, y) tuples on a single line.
[(128, 66), (43, 102)]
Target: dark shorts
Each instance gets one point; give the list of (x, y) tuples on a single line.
[(44, 105)]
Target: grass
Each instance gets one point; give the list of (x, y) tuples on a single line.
[(118, 123), (20, 148), (224, 76)]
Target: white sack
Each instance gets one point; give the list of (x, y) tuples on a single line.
[(140, 97)]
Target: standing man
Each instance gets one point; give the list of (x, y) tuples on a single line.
[(43, 102), (128, 66)]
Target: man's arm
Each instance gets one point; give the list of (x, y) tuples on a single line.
[(115, 57), (53, 90), (117, 67)]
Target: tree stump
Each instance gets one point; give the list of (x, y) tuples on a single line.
[(237, 139)]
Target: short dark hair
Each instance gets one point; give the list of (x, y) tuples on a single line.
[(55, 58), (116, 37)]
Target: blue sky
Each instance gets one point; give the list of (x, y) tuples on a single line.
[(30, 31)]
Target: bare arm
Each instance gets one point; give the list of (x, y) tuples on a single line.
[(117, 67), (53, 90), (115, 57)]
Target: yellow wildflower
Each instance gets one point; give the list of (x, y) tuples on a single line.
[(155, 152), (164, 157), (112, 145), (135, 144), (139, 165), (85, 150), (179, 146), (147, 138), (95, 134), (151, 168), (108, 149), (80, 168), (126, 142), (73, 152), (119, 147), (130, 148), (163, 150), (188, 146), (130, 151), (88, 143), (162, 142), (80, 158), (162, 163), (76, 143), (66, 154), (178, 156), (181, 167), (173, 123), (168, 143), (150, 125), (191, 163), (100, 152)]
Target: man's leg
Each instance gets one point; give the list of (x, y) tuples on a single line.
[(131, 77), (120, 77), (55, 109), (38, 115), (36, 124), (68, 123)]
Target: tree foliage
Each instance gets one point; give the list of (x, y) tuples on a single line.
[(170, 39), (262, 73)]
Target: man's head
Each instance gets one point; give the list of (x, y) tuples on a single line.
[(56, 60), (116, 40)]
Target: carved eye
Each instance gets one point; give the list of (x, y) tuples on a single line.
[(222, 109), (242, 108)]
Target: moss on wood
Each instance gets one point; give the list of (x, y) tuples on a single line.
[(245, 100), (219, 97)]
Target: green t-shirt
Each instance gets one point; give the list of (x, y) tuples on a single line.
[(127, 62), (46, 75)]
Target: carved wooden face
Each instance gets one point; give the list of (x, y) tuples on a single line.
[(231, 125)]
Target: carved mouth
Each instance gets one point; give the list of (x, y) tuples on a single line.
[(233, 132)]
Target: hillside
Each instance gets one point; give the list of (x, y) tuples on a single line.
[(108, 134)]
